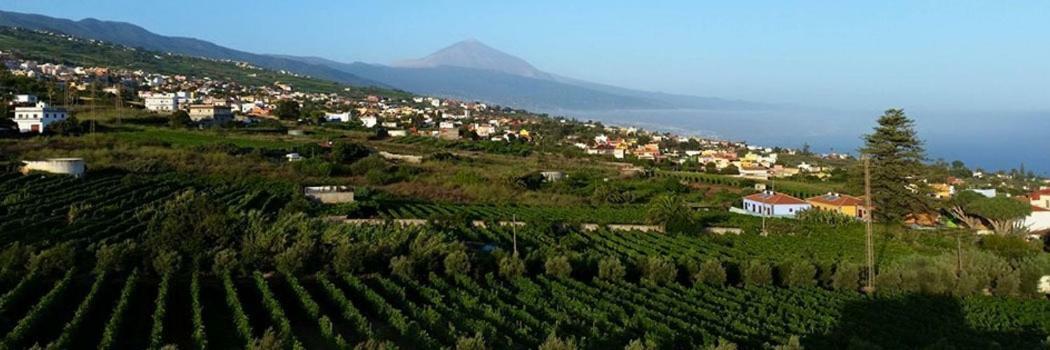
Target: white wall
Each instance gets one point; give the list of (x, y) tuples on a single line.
[(1038, 221)]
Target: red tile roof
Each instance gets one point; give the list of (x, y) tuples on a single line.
[(1041, 192), (774, 198), (837, 199)]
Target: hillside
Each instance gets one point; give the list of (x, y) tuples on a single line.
[(46, 47), (134, 36)]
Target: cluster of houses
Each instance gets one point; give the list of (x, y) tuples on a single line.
[(749, 161), (210, 100), (775, 204)]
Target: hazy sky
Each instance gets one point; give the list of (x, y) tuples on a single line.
[(943, 55)]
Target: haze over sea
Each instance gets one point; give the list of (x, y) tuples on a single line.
[(989, 140)]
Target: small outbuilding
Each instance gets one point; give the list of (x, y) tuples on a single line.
[(330, 194), (66, 166)]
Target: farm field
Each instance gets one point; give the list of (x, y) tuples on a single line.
[(380, 303)]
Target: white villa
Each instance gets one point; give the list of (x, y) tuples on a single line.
[(161, 102), (37, 118), (769, 203)]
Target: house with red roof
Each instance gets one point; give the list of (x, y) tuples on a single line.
[(769, 203), (1040, 198)]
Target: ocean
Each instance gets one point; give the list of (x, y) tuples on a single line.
[(989, 140)]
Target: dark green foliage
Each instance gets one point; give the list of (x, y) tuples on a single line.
[(657, 271), (287, 110), (53, 260), (896, 155), (1010, 247), (558, 266), (670, 212), (457, 262), (797, 273), (711, 272), (847, 277), (511, 266), (611, 269), (180, 119), (190, 224), (1004, 214), (531, 181), (68, 127), (349, 152), (756, 273)]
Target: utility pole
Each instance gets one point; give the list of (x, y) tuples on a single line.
[(958, 253), (514, 231), (869, 286), (119, 100)]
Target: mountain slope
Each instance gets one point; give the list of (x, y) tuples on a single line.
[(134, 36), (476, 55), (491, 86), (471, 69), (46, 47)]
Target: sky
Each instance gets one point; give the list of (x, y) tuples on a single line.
[(924, 55)]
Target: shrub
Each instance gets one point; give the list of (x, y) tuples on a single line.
[(113, 257), (511, 267), (363, 166), (558, 266), (166, 263), (457, 262), (797, 273), (657, 271), (555, 343), (55, 259), (477, 342), (639, 344), (611, 269), (756, 273), (313, 167), (846, 277), (1008, 284), (402, 266), (711, 272), (349, 152), (1010, 247)]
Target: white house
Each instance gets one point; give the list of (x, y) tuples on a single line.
[(37, 118), (25, 100), (1038, 220), (769, 203), (369, 121), (397, 133), (338, 117), (988, 192), (161, 102)]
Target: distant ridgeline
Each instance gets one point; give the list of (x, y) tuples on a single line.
[(59, 48)]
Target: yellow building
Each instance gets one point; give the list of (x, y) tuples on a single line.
[(750, 160), (841, 203), (942, 190)]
